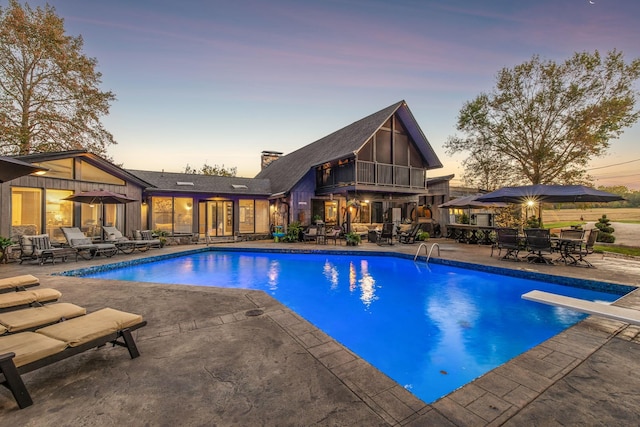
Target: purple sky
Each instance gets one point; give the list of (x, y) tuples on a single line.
[(217, 82)]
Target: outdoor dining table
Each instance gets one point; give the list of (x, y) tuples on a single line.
[(473, 234), (564, 247)]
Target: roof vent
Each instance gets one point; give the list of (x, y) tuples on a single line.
[(239, 187), (184, 183)]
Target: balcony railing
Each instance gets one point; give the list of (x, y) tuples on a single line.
[(370, 173)]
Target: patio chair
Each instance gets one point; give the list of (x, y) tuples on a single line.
[(584, 249), (124, 244), (509, 240), (386, 234), (410, 236), (538, 241), (310, 233), (146, 236), (27, 351), (334, 233), (39, 248), (84, 246)]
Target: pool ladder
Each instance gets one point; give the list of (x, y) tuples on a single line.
[(424, 245)]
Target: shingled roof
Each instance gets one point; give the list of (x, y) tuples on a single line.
[(288, 170), (197, 183)]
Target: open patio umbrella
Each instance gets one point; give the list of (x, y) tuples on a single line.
[(11, 168), (542, 193), (101, 197), (471, 201)]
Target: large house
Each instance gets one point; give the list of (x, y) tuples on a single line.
[(372, 171)]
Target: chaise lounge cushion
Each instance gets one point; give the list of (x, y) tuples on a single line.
[(15, 299), (94, 325), (29, 347), (18, 281), (20, 320)]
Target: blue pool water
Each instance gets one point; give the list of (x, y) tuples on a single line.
[(431, 328)]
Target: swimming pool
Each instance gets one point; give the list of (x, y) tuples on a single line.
[(431, 328)]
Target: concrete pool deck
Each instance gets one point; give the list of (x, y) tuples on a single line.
[(204, 361)]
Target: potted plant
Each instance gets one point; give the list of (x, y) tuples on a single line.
[(162, 236), (4, 244), (423, 235), (352, 239)]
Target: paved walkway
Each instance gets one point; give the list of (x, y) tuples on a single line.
[(205, 360)]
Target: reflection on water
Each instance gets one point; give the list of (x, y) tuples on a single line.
[(331, 273), (367, 285), (273, 273)]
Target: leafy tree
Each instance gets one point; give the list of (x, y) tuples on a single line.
[(212, 170), (49, 91), (543, 121)]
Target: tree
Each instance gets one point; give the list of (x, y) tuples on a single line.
[(49, 91), (543, 121), (212, 170)]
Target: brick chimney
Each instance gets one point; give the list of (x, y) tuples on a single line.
[(269, 156)]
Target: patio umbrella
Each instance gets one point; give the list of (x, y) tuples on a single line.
[(542, 193), (471, 201), (101, 197), (11, 168)]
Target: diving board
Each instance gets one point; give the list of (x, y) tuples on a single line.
[(627, 315)]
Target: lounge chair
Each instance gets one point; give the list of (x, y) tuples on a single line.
[(85, 247), (386, 234), (27, 351), (124, 244), (39, 248), (18, 283), (509, 240), (28, 298), (32, 318), (146, 237)]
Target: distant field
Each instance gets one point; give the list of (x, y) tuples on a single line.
[(614, 215)]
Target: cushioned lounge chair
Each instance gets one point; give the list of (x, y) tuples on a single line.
[(85, 247), (146, 237), (410, 236), (18, 283), (334, 233), (124, 244), (310, 233), (32, 318), (28, 298), (27, 351)]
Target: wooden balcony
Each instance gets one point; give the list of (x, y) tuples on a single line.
[(372, 174)]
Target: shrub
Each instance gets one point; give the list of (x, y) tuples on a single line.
[(423, 235), (606, 230), (293, 232)]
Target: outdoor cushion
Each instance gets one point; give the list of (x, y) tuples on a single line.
[(94, 325), (2, 329), (26, 243), (18, 281), (29, 347), (14, 299), (81, 242), (20, 320)]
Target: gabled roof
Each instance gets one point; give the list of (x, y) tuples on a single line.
[(197, 183), (288, 170)]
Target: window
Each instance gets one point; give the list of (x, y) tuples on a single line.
[(173, 215), (246, 216), (262, 216), (88, 172), (366, 152), (183, 215), (62, 168), (162, 213), (383, 146), (58, 213), (26, 210)]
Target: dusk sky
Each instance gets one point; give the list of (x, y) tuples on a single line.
[(217, 82)]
